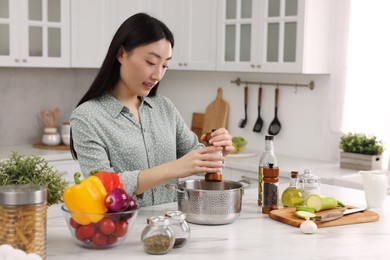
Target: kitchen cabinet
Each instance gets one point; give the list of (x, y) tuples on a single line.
[(67, 168), (281, 36), (194, 25), (93, 24), (34, 33)]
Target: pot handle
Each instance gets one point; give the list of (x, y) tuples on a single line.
[(169, 186), (247, 182)]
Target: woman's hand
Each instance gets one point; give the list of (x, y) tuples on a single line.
[(197, 161), (221, 138)]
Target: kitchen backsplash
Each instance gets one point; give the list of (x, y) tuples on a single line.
[(308, 129)]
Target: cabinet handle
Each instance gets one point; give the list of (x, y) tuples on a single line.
[(185, 64), (17, 60), (24, 60), (258, 65), (252, 65)]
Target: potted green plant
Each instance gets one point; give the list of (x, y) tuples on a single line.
[(21, 169), (360, 152)]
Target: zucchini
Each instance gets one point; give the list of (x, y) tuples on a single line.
[(304, 208), (304, 214), (319, 203)]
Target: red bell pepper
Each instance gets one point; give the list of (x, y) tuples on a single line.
[(110, 180)]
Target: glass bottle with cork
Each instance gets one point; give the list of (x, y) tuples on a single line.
[(293, 196), (214, 176), (268, 178)]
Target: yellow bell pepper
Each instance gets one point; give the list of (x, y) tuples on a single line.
[(86, 196)]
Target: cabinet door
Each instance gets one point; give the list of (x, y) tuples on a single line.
[(9, 24), (94, 23), (36, 33), (67, 168), (193, 24), (45, 34), (239, 33), (281, 52), (90, 38)]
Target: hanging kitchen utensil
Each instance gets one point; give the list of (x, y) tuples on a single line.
[(216, 114), (275, 126), (259, 122), (243, 121)]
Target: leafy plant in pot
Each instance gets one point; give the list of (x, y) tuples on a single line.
[(360, 152)]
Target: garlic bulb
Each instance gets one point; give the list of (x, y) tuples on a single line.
[(308, 226)]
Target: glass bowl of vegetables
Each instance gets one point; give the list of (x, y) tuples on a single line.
[(103, 230)]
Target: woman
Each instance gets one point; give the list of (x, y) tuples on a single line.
[(122, 125)]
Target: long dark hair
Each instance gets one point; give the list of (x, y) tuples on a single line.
[(138, 30)]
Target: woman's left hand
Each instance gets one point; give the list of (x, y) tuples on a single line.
[(221, 137)]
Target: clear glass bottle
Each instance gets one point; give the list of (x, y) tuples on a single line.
[(293, 195), (23, 213), (158, 237), (268, 177), (180, 227), (310, 183), (215, 176)]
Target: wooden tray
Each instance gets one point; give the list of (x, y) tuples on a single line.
[(287, 216), (61, 147)]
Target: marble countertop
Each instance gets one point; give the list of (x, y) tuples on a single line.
[(28, 149), (252, 236)]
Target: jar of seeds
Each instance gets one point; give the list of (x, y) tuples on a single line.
[(180, 227), (23, 212), (158, 237)]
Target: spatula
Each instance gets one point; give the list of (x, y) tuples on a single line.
[(275, 126), (259, 121), (242, 123)]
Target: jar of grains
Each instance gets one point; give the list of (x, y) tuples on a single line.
[(23, 210), (158, 237)]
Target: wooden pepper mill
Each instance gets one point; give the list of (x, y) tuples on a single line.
[(215, 176)]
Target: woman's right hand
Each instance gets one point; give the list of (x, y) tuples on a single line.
[(198, 161)]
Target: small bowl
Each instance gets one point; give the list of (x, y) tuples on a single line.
[(108, 230), (65, 139)]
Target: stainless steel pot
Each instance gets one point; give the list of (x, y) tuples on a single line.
[(210, 203)]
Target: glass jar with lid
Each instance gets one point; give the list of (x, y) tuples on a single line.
[(158, 237), (310, 183), (23, 212), (180, 227)]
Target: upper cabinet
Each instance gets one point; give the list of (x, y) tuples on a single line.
[(280, 36), (34, 33), (93, 24), (194, 25)]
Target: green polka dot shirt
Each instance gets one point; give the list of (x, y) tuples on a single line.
[(107, 137)]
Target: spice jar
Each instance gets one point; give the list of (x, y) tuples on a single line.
[(215, 176), (310, 183), (180, 227), (23, 210), (158, 237)]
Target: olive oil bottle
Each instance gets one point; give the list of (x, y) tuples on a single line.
[(293, 196)]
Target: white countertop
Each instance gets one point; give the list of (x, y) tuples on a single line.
[(48, 155), (252, 236)]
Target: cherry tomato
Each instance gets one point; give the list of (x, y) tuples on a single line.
[(99, 239), (106, 226), (112, 240), (85, 231), (74, 224), (121, 228)]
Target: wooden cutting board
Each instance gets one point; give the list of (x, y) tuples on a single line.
[(287, 216), (216, 113)]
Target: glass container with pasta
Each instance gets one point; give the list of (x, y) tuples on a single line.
[(23, 212)]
